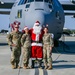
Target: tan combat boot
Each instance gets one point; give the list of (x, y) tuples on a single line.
[(50, 67), (13, 66), (18, 67), (46, 66), (26, 66)]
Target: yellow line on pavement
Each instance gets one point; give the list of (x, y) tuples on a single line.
[(41, 72)]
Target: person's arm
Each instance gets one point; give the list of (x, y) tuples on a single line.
[(51, 43), (23, 39), (9, 39)]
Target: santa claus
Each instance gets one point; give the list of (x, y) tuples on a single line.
[(36, 34)]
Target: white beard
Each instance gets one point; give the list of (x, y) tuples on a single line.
[(37, 29)]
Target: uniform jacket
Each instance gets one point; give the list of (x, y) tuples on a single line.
[(26, 40), (47, 39), (14, 38)]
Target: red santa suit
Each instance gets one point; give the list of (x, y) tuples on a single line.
[(36, 34)]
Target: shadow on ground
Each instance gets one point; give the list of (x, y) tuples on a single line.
[(3, 44), (65, 47), (63, 66), (70, 61)]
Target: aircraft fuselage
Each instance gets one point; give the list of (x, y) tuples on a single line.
[(50, 13)]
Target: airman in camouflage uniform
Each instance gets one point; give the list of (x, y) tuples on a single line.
[(26, 43), (14, 40), (47, 49)]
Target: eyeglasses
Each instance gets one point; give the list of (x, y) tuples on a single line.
[(37, 25)]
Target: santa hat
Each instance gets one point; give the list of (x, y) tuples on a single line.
[(25, 27), (36, 23)]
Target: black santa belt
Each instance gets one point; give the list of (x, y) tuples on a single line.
[(36, 41)]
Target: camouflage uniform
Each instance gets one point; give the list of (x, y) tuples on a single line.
[(15, 38), (47, 43), (26, 43)]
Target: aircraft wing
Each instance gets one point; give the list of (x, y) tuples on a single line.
[(5, 5), (5, 11), (68, 6)]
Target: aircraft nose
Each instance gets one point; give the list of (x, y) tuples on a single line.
[(39, 17), (33, 17)]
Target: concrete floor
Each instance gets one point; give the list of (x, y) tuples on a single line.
[(63, 62)]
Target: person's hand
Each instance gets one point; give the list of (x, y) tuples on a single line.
[(13, 45), (50, 48)]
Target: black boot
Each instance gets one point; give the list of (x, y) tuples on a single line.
[(17, 66), (32, 64)]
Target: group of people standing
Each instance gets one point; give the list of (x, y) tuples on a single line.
[(36, 43)]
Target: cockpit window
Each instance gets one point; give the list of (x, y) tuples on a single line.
[(50, 6), (57, 14), (50, 1), (39, 0), (27, 1), (21, 2), (30, 1), (46, 0), (24, 1), (28, 5)]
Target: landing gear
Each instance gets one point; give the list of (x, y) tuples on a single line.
[(56, 43)]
